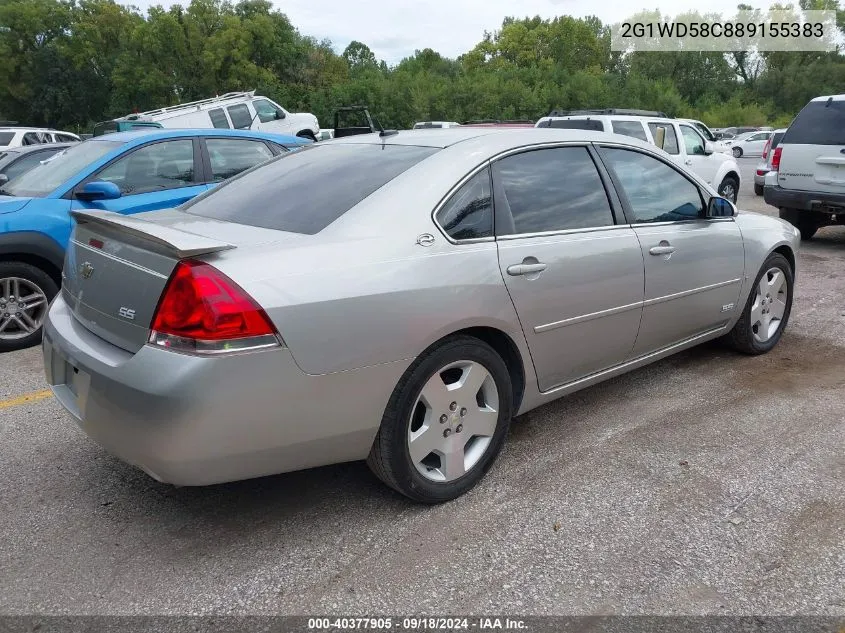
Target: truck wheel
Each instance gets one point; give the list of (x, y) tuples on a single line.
[(758, 189), (807, 222), (25, 295)]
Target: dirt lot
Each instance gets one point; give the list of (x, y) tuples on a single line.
[(706, 483)]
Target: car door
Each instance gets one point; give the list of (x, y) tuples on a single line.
[(574, 274), (271, 117), (227, 157), (158, 175), (696, 159), (753, 145), (693, 266)]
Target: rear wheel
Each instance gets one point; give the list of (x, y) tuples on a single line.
[(25, 294), (737, 152), (767, 310), (308, 135), (807, 222), (445, 423), (758, 189)]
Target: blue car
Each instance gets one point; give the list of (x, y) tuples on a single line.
[(127, 172)]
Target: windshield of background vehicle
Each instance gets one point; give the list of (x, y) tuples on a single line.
[(46, 177)]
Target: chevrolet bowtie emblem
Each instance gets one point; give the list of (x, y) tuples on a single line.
[(86, 270)]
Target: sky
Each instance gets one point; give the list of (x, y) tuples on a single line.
[(394, 29)]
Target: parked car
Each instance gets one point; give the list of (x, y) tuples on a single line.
[(807, 181), (15, 161), (766, 163), (25, 136), (693, 152), (123, 173), (200, 343), (422, 125), (750, 144), (233, 110), (736, 131), (123, 125)]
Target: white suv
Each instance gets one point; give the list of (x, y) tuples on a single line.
[(807, 180), (23, 136), (682, 140)]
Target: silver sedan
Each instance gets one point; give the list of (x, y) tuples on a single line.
[(433, 286)]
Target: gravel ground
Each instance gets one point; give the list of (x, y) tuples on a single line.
[(708, 483)]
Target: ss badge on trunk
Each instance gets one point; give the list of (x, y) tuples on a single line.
[(127, 313)]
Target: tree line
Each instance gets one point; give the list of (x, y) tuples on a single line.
[(71, 63)]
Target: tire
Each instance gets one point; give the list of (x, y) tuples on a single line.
[(390, 457), (30, 280), (742, 337), (307, 135), (729, 188), (807, 222), (737, 152), (758, 189)]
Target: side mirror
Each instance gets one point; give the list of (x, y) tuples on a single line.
[(98, 190), (708, 148), (660, 137), (279, 115), (3, 179), (719, 207)]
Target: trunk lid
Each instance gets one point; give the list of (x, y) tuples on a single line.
[(116, 268)]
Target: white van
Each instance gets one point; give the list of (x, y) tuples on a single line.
[(234, 110), (24, 136)]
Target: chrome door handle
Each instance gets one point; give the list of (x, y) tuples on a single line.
[(661, 250), (525, 269)]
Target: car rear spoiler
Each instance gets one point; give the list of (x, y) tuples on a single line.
[(176, 242)]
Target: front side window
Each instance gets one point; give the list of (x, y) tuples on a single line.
[(154, 167), (629, 128), (551, 190), (670, 139), (218, 118), (656, 192), (469, 212), (692, 141), (267, 111), (41, 180), (230, 156), (241, 118)]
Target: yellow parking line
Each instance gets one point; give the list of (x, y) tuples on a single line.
[(35, 396)]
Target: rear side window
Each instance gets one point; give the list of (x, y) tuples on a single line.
[(776, 139), (469, 212), (818, 123), (550, 190), (306, 190), (6, 138), (218, 118), (230, 156), (241, 118), (574, 124), (670, 139), (629, 128)]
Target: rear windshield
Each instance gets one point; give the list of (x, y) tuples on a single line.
[(819, 123), (574, 124), (55, 171), (105, 128), (6, 138), (308, 189)]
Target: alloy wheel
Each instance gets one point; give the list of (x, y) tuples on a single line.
[(453, 421), (769, 305), (23, 307)]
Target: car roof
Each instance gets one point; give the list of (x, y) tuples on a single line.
[(826, 97), (155, 133), (446, 137), (26, 149)]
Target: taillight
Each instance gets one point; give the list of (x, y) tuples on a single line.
[(202, 311), (766, 148), (776, 158)]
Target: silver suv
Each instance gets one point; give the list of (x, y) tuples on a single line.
[(807, 180)]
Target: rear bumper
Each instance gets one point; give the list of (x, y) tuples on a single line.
[(193, 421), (760, 178), (804, 200)]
